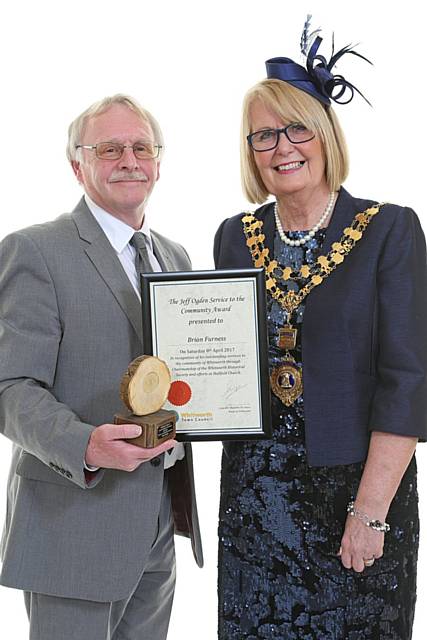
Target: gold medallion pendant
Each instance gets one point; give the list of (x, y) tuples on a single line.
[(286, 381)]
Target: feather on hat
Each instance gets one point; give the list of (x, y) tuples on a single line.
[(317, 78)]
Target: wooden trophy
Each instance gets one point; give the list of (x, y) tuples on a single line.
[(144, 389)]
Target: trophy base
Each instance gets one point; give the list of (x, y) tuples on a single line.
[(156, 427)]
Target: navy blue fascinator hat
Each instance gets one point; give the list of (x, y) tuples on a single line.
[(317, 79)]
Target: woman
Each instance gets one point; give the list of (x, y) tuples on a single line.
[(319, 525)]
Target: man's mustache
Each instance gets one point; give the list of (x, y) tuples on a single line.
[(129, 177)]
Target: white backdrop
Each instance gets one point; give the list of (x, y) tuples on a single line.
[(190, 62)]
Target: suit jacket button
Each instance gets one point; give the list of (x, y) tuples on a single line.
[(68, 474), (155, 462)]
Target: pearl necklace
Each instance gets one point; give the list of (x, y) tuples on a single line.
[(310, 234)]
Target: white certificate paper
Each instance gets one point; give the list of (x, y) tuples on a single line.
[(207, 330)]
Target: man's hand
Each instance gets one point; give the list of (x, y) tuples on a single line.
[(107, 448)]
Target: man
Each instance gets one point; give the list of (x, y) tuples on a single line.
[(89, 530)]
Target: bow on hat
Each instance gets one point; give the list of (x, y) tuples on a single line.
[(317, 79)]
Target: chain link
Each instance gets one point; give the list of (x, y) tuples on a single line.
[(315, 274)]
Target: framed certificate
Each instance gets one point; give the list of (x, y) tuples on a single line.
[(210, 329)]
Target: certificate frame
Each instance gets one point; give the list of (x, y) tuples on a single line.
[(236, 391)]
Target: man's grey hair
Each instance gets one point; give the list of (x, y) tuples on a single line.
[(78, 126)]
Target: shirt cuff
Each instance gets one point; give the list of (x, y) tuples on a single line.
[(89, 467)]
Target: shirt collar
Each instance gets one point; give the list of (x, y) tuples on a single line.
[(118, 233)]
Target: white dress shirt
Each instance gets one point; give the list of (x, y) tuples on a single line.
[(119, 235)]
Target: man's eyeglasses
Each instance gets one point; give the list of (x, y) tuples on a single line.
[(114, 150), (267, 139)]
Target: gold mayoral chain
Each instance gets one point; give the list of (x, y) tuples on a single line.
[(286, 379)]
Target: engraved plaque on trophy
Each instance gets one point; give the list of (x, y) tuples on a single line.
[(144, 389)]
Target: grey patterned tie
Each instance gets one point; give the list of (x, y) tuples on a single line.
[(142, 261)]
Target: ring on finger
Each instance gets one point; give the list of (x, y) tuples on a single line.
[(369, 561)]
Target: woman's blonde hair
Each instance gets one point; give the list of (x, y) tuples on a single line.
[(292, 105)]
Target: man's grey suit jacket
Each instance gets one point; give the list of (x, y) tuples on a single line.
[(70, 323)]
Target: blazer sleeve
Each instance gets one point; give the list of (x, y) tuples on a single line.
[(30, 336), (400, 401)]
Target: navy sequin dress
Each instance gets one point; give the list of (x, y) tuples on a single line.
[(281, 524)]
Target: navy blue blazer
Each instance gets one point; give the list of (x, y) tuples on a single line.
[(364, 336)]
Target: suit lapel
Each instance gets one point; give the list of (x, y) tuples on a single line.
[(266, 214), (344, 212), (346, 208), (163, 257), (105, 261)]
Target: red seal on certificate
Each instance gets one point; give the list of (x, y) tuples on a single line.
[(179, 393)]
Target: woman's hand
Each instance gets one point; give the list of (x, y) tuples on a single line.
[(388, 458), (360, 545)]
